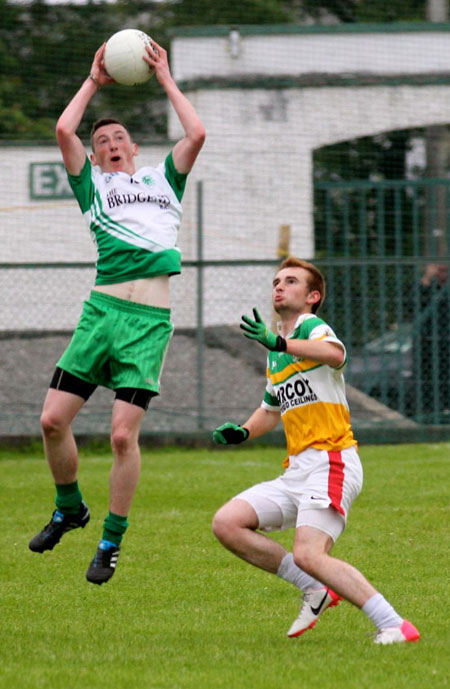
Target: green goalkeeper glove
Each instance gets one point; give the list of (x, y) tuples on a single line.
[(258, 330), (230, 434)]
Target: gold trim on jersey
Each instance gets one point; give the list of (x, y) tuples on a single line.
[(290, 370), (322, 425)]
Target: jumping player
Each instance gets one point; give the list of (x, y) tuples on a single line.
[(124, 330), (305, 387)]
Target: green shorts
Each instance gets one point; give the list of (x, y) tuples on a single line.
[(119, 344)]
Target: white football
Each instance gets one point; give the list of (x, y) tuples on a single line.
[(123, 57)]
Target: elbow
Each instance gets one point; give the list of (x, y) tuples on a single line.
[(334, 356), (198, 136), (61, 132), (64, 130), (339, 359)]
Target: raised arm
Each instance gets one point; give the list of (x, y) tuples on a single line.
[(330, 353), (187, 149), (72, 149)]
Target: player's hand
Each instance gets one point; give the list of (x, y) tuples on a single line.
[(230, 434), (258, 330), (98, 71), (156, 57)]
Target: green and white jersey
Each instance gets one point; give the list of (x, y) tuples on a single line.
[(134, 220)]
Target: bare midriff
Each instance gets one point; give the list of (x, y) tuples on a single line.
[(149, 291)]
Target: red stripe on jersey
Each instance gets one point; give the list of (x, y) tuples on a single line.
[(336, 480)]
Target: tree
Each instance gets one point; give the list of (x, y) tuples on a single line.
[(378, 11), (222, 12), (46, 51)]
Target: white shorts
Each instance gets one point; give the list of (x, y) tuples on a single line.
[(314, 481)]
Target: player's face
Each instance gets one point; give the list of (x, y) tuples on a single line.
[(113, 149), (292, 293)]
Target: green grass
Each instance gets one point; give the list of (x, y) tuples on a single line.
[(182, 613)]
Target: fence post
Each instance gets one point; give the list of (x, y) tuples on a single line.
[(200, 333), (283, 249)]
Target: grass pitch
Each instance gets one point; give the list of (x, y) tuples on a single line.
[(182, 613)]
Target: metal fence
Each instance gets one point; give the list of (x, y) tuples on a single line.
[(382, 248), (206, 365), (388, 270)]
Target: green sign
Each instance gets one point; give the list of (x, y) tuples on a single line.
[(49, 181)]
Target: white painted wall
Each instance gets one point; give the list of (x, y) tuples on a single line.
[(386, 53)]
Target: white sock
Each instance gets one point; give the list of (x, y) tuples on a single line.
[(289, 571), (381, 612)]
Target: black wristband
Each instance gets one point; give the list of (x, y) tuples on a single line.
[(281, 344)]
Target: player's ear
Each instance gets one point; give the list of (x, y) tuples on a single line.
[(135, 149), (313, 297), (93, 159)]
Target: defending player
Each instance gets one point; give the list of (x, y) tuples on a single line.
[(305, 387), (122, 336)]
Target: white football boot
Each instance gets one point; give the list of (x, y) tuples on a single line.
[(397, 635), (314, 603)]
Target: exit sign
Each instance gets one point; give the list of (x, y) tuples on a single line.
[(49, 181)]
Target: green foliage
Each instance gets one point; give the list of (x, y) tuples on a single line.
[(183, 613), (343, 10), (206, 12), (378, 11), (394, 11), (46, 51)]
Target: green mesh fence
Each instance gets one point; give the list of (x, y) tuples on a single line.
[(335, 149)]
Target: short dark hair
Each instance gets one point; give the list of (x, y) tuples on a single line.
[(316, 280), (102, 122)]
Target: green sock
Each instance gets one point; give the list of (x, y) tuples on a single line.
[(68, 497), (114, 528)]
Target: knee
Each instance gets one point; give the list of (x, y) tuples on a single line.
[(224, 526), (307, 559), (220, 525), (122, 440), (232, 521), (52, 423)]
